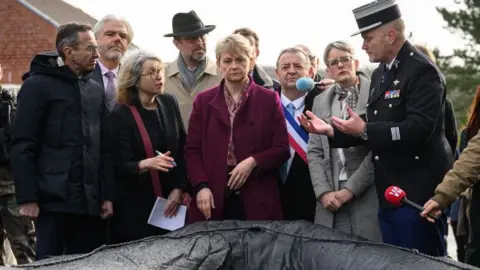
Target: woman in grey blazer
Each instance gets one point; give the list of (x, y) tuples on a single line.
[(343, 179)]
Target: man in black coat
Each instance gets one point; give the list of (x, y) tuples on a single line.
[(403, 127), (60, 153)]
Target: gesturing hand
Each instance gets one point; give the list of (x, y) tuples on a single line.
[(161, 163), (354, 125), (315, 125)]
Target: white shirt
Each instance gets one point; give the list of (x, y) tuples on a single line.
[(343, 107), (104, 70), (299, 105), (389, 65)]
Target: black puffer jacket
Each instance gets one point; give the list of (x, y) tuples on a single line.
[(60, 143)]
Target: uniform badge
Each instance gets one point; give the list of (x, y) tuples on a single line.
[(392, 94), (396, 82)]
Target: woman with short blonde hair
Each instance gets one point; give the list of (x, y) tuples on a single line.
[(237, 140)]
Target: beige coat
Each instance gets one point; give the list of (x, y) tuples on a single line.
[(464, 174), (174, 85), (359, 167)]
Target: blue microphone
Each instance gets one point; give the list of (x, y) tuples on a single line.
[(305, 84)]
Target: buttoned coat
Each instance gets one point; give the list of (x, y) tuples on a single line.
[(259, 131), (364, 204), (405, 127)]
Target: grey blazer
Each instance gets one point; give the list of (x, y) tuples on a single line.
[(359, 167)]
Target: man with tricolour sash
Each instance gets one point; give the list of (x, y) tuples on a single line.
[(298, 198)]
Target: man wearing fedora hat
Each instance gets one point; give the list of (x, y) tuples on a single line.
[(193, 71), (403, 127)]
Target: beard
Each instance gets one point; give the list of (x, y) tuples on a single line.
[(110, 53)]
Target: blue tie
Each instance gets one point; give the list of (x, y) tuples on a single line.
[(291, 109), (284, 168)]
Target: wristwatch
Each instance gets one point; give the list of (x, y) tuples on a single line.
[(364, 134)]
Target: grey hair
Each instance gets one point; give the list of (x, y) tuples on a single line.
[(294, 50), (98, 28), (339, 45), (130, 74)]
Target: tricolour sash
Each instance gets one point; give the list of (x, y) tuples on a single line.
[(297, 136)]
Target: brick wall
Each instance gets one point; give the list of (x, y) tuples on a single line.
[(22, 35)]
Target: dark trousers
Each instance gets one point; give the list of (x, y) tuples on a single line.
[(404, 227), (61, 233), (461, 241), (233, 208)]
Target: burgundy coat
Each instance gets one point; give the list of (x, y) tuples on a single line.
[(259, 131)]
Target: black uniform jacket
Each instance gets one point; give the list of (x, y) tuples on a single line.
[(405, 127)]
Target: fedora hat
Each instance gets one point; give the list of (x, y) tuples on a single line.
[(188, 25)]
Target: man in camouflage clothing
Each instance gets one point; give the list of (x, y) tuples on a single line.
[(19, 230)]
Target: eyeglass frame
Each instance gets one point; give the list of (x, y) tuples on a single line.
[(345, 60), (151, 72), (90, 48)]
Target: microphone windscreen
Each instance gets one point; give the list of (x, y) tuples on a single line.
[(305, 84), (394, 195)]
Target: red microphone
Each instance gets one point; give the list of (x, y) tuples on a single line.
[(397, 197)]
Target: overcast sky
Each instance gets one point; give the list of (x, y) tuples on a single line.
[(312, 22)]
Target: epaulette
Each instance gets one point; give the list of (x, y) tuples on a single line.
[(420, 58)]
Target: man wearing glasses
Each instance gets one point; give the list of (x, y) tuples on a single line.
[(60, 152), (346, 198), (192, 72)]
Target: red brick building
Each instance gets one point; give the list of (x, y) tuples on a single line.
[(28, 27)]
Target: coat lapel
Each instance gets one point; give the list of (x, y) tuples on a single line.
[(97, 76), (379, 86), (220, 105), (364, 93), (390, 77), (170, 133)]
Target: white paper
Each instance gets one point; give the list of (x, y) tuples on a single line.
[(158, 219)]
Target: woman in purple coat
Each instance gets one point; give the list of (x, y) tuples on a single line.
[(237, 141)]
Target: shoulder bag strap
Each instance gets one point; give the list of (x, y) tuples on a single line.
[(147, 143)]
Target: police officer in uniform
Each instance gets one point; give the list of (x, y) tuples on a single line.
[(19, 230), (403, 127)]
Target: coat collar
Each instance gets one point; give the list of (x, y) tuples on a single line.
[(170, 133), (329, 95), (405, 52), (219, 103), (262, 77)]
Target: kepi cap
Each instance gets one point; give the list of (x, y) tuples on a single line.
[(375, 14)]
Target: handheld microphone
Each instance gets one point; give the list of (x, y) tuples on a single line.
[(397, 197), (306, 84)]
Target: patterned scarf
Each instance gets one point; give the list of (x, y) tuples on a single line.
[(352, 99)]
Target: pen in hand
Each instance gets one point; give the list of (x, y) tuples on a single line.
[(160, 154)]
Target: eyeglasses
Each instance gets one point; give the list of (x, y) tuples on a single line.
[(90, 48), (344, 60), (155, 74)]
